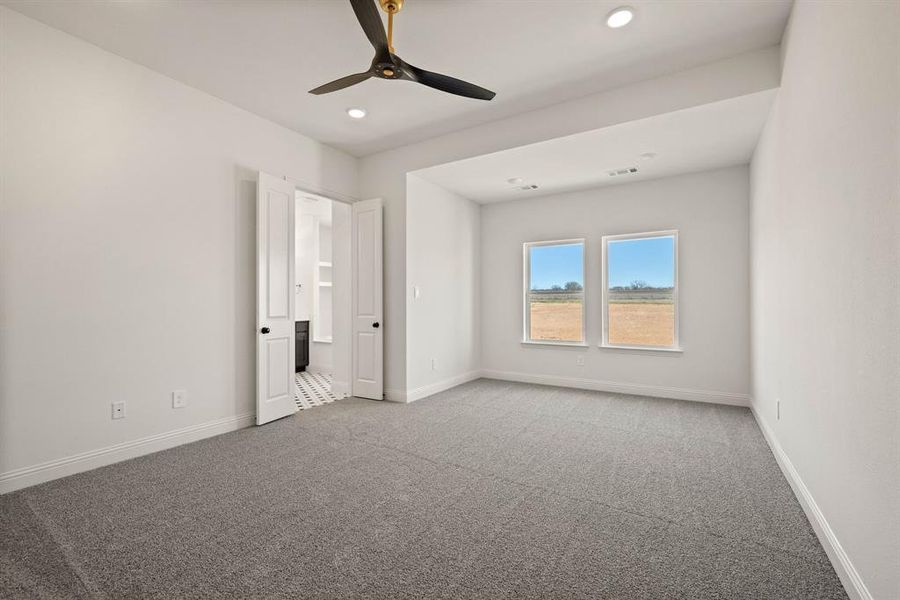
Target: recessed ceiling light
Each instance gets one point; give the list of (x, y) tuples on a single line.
[(620, 17), (356, 113), (515, 181)]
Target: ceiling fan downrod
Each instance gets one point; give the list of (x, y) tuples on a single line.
[(391, 7)]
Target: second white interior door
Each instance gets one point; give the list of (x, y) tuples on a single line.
[(368, 304)]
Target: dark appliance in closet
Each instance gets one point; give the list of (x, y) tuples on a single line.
[(301, 341)]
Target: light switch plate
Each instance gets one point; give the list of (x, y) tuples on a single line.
[(179, 399)]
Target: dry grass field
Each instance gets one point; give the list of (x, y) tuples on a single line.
[(636, 323), (642, 324), (556, 321)]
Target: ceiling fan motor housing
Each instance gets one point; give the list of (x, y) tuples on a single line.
[(388, 69)]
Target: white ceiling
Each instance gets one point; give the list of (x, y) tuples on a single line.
[(695, 139), (263, 55)]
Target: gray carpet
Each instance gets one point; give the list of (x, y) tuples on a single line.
[(488, 490)]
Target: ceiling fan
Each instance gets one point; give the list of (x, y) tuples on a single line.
[(387, 65)]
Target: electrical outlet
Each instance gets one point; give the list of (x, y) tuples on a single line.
[(118, 410), (434, 364), (777, 409), (579, 360), (179, 399)]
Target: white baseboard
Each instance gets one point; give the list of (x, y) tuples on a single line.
[(622, 388), (843, 566), (85, 461), (394, 395), (431, 389)]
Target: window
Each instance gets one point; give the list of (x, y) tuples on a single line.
[(640, 292), (554, 292)]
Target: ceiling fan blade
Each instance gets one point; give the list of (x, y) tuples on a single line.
[(370, 20), (339, 84), (449, 84)]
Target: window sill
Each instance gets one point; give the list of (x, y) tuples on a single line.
[(640, 348), (549, 343)]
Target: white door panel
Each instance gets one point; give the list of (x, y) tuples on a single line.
[(367, 361), (368, 303), (275, 299), (277, 353)]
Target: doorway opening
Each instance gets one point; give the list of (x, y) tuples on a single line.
[(322, 253), (319, 296)]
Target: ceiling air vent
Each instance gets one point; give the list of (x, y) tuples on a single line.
[(528, 188), (625, 171)]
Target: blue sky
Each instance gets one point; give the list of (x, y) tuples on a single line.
[(651, 260), (555, 265)]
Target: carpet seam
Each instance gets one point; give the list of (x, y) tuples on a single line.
[(658, 518), (666, 521), (65, 549)]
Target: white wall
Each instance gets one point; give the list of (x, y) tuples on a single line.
[(304, 257), (127, 256), (710, 211), (442, 261), (314, 244), (341, 350), (383, 175), (826, 277)]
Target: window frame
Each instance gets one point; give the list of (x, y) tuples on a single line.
[(526, 288), (604, 291)]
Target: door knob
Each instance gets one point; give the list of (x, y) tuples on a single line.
[(265, 330), (376, 325)]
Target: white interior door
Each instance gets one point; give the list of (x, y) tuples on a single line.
[(368, 302), (275, 299)]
